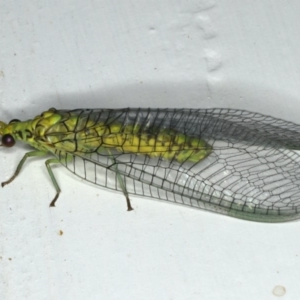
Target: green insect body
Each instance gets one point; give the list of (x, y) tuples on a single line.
[(233, 162), (52, 130)]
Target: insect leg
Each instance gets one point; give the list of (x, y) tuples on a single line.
[(121, 182), (123, 187), (50, 172), (21, 163)]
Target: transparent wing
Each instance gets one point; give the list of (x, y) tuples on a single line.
[(252, 172)]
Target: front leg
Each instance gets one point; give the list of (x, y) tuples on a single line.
[(21, 163)]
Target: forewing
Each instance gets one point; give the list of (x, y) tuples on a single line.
[(251, 173)]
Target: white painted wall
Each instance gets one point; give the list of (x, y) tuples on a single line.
[(196, 53)]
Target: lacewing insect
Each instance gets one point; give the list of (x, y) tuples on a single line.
[(233, 162)]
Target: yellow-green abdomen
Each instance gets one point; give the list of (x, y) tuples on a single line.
[(167, 144)]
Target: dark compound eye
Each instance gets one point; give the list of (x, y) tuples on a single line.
[(8, 140), (14, 121)]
